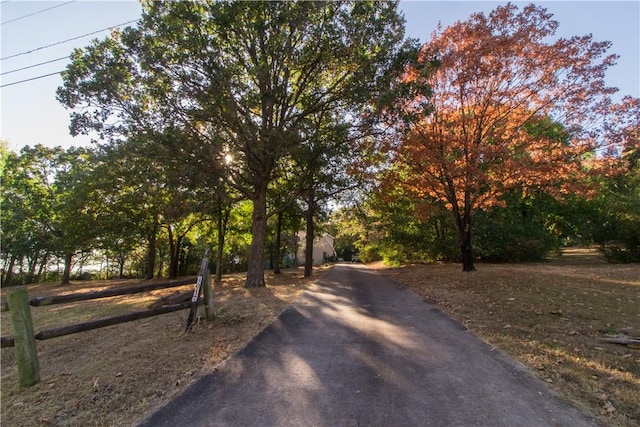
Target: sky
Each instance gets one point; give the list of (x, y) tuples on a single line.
[(30, 113)]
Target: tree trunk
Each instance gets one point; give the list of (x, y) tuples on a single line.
[(182, 259), (31, 274), (121, 260), (308, 252), (83, 257), (66, 274), (278, 254), (255, 270), (174, 253), (223, 219), (8, 273), (160, 261), (151, 253), (43, 265), (463, 227), (465, 245)]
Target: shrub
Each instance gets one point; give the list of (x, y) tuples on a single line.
[(370, 253)]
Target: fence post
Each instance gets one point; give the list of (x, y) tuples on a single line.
[(25, 343), (208, 296)]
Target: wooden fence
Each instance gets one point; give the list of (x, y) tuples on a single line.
[(18, 303)]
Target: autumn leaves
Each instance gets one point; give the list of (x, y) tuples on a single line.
[(513, 108)]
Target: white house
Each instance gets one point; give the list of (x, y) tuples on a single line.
[(322, 248)]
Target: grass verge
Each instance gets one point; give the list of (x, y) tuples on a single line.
[(551, 316)]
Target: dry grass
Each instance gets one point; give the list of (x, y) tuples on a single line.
[(550, 316), (117, 375)]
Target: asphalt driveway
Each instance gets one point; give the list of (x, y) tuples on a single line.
[(358, 349)]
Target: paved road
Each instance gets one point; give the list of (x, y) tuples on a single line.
[(358, 349)]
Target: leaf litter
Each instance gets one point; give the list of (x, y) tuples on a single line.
[(119, 374), (551, 317)]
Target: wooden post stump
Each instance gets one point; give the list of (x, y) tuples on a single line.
[(208, 296), (25, 343)]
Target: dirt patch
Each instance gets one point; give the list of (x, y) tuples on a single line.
[(551, 316), (119, 374)]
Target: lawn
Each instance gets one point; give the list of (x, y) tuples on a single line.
[(119, 374), (552, 317)]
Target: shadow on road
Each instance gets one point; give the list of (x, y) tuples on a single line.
[(358, 349)]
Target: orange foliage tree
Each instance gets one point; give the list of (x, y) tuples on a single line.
[(621, 136), (511, 109)]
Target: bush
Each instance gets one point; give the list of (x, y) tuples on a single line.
[(522, 231), (85, 275), (370, 253), (393, 255), (620, 254)]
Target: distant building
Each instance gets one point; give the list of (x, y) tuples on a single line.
[(323, 249)]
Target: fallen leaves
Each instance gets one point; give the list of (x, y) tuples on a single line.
[(76, 384), (548, 316), (608, 408)]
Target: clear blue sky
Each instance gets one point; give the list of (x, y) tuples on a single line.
[(30, 113)]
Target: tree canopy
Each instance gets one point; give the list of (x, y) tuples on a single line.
[(512, 109), (223, 123), (239, 79)]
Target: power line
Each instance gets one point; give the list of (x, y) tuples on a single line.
[(33, 78), (34, 65), (35, 13), (67, 40)]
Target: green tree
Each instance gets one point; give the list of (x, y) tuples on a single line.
[(619, 224), (284, 193), (4, 153), (618, 231), (46, 209), (118, 212), (156, 193), (322, 162), (27, 202), (73, 222), (240, 78), (524, 229), (130, 189)]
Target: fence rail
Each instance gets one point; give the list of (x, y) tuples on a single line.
[(9, 341), (107, 293), (24, 338), (109, 321)]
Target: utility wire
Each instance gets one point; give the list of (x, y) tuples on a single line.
[(67, 40), (35, 13), (33, 78), (34, 65)]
